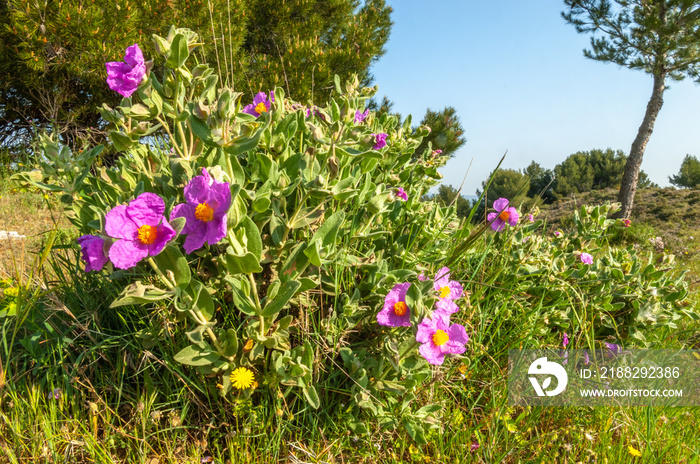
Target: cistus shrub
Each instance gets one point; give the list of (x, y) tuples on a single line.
[(289, 242)]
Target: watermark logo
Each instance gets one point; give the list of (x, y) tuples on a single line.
[(604, 377), (549, 368)]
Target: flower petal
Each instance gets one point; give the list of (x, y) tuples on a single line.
[(133, 56), (195, 239), (216, 230), (220, 197), (500, 204), (442, 278), (146, 209), (513, 216), (447, 306), (498, 225), (250, 109), (456, 289), (431, 353), (164, 233), (187, 211), (93, 253), (458, 334), (118, 224), (126, 254), (197, 190), (426, 329)]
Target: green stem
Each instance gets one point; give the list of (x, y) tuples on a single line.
[(288, 225), (194, 312), (172, 139), (254, 291), (178, 124), (162, 276)]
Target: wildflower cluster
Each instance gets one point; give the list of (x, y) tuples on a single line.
[(140, 229), (435, 333)]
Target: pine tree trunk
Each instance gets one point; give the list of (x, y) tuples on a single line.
[(631, 175)]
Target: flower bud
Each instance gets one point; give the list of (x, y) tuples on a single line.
[(224, 105), (162, 46), (201, 110)]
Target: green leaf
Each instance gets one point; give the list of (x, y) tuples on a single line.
[(171, 259), (415, 431), (276, 229), (230, 342), (202, 299), (202, 131), (285, 293), (178, 52), (178, 224), (311, 396), (295, 264), (137, 293), (246, 264), (252, 234), (241, 295), (307, 216), (328, 231), (196, 356), (121, 141)]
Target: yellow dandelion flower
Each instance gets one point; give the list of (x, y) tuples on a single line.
[(633, 451), (242, 378)]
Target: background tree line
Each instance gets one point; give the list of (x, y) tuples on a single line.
[(580, 172)]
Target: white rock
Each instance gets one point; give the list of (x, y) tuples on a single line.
[(4, 234)]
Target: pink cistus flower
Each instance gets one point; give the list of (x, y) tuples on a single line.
[(93, 252), (125, 77), (586, 258), (208, 202), (396, 312), (401, 193), (503, 215), (379, 141), (360, 116), (444, 309), (261, 104), (447, 289), (438, 339), (142, 229)]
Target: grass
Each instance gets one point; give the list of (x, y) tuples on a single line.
[(123, 399)]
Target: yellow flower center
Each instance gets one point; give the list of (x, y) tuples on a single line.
[(204, 212), (504, 215), (400, 308), (147, 234), (440, 338), (242, 378), (445, 291), (261, 108)]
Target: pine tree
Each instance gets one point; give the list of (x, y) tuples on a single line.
[(689, 174), (446, 132), (52, 54), (659, 37)]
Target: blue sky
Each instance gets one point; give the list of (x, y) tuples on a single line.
[(516, 74)]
